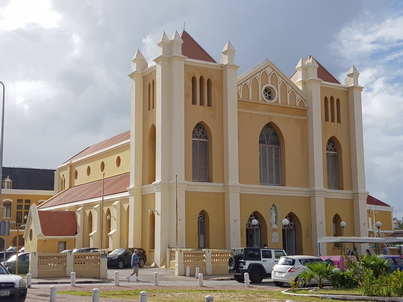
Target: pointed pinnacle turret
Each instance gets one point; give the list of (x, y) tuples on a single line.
[(176, 44), (228, 54), (139, 62), (164, 44), (352, 77)]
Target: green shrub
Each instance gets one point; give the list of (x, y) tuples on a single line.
[(343, 279)]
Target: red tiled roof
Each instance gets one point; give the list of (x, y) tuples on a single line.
[(58, 223), (323, 74), (110, 186), (192, 49), (102, 145), (373, 201)]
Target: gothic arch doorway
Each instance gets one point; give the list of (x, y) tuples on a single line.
[(256, 230), (292, 235)]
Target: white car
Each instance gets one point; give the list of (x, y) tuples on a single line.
[(289, 267), (12, 287)]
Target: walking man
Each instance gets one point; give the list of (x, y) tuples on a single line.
[(135, 266)]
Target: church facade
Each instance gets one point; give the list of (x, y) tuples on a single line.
[(218, 160)]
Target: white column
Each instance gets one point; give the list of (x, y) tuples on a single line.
[(164, 153), (357, 152), (312, 91), (136, 151), (231, 168)]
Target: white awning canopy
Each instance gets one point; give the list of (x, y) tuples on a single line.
[(352, 239)]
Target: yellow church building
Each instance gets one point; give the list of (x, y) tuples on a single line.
[(218, 160)]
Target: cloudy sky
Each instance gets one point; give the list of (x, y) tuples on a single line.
[(65, 66)]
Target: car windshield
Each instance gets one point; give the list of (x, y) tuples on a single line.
[(117, 252), (3, 271), (12, 258)]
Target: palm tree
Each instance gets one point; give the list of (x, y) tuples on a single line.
[(319, 271)]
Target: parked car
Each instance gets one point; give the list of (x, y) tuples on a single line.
[(289, 267), (12, 287), (86, 250), (394, 261), (257, 262), (121, 257), (8, 255), (66, 251), (23, 263)]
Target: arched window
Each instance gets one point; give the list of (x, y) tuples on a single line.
[(6, 209), (200, 152), (269, 149), (202, 96), (326, 109), (202, 230), (332, 165), (194, 91), (338, 110), (209, 93)]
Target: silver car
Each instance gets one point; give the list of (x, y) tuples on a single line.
[(289, 267)]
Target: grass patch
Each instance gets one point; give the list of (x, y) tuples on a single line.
[(183, 295)]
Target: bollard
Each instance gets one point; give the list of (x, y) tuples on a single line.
[(143, 296), (187, 271), (95, 295), (156, 278), (116, 278), (73, 279), (29, 280), (246, 277), (209, 298), (200, 279), (53, 292), (197, 272)]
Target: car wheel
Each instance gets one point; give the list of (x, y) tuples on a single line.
[(301, 282), (239, 278), (121, 264), (280, 284), (233, 262), (256, 275), (141, 262)]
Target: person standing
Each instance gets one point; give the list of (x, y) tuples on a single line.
[(135, 265)]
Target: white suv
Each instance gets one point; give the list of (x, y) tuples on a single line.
[(257, 262), (12, 287)]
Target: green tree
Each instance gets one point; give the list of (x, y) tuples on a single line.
[(317, 271)]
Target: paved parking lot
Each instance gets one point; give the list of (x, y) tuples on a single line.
[(40, 290)]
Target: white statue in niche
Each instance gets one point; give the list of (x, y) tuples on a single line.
[(273, 217)]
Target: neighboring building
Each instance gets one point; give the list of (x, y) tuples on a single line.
[(378, 211), (22, 187), (217, 160)]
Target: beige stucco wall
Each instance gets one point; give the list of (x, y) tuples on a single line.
[(291, 125), (213, 205), (210, 117)]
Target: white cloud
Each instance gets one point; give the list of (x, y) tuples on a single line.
[(378, 47), (21, 13)]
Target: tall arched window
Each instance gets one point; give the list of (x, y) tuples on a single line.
[(200, 154), (209, 93), (6, 209), (332, 165), (194, 91), (202, 96), (202, 230), (269, 157)]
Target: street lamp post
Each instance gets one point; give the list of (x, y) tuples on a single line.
[(285, 223), (378, 225), (2, 140), (343, 224), (254, 222)]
